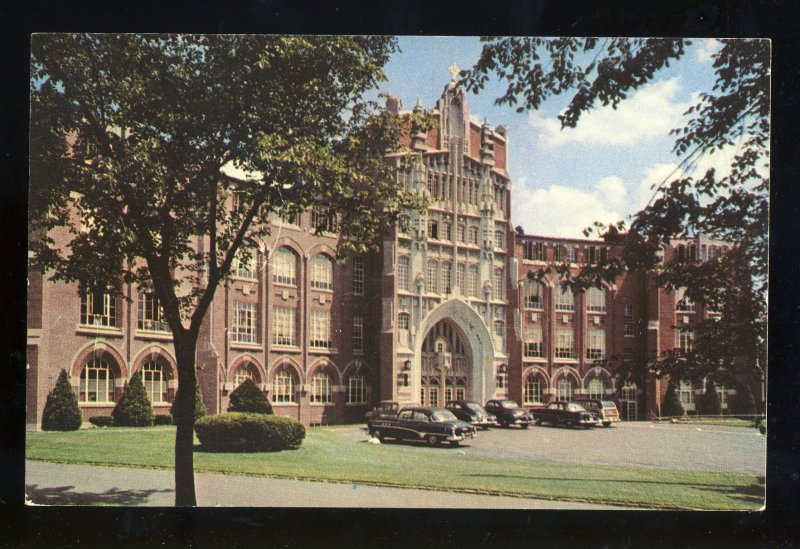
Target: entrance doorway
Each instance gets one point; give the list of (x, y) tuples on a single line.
[(446, 365), (628, 402)]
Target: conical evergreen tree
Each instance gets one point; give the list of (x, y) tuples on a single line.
[(672, 403), (61, 411), (249, 398), (711, 405), (743, 402), (134, 408)]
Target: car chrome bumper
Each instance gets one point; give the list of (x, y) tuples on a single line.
[(455, 438)]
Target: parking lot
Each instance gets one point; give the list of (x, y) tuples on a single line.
[(645, 444)]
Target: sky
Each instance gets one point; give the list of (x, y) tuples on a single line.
[(564, 180)]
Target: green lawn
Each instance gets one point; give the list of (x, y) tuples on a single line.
[(328, 455)]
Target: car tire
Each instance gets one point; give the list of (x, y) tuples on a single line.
[(377, 434), (606, 424), (454, 443), (432, 440), (524, 425), (538, 422)]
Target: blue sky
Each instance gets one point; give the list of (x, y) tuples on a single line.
[(563, 180)]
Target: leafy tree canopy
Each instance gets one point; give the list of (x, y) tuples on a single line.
[(729, 205)]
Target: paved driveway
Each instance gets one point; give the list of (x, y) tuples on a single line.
[(665, 446)]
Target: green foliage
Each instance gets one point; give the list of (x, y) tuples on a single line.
[(134, 408), (709, 403), (249, 398), (101, 421), (163, 419), (672, 405), (61, 411), (199, 406), (743, 401), (241, 432)]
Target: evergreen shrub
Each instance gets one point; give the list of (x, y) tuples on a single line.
[(244, 432), (247, 397), (134, 408), (199, 406), (61, 411), (101, 421), (709, 402), (743, 402), (672, 403)]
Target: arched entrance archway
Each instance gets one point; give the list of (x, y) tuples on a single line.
[(455, 352)]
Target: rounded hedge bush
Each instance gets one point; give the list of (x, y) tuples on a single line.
[(249, 398), (243, 432), (61, 411), (134, 408), (101, 421)]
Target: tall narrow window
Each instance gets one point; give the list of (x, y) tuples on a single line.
[(499, 328), (565, 389), (460, 232), (358, 276), (533, 390), (321, 329), (402, 321), (565, 300), (473, 280), (432, 279), (358, 333), (244, 322), (97, 382), (322, 272), (533, 295), (499, 284), (685, 339), (686, 392), (572, 254), (284, 331), (461, 270), (433, 229), (150, 314), (682, 301), (358, 389), (98, 308), (596, 300), (446, 231), (473, 235), (629, 326), (445, 277), (565, 343), (596, 344), (283, 387), (500, 240), (156, 382), (534, 347), (403, 273), (284, 267), (558, 253), (245, 262), (321, 388), (596, 388)]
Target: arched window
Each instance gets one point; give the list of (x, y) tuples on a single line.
[(244, 372), (565, 301), (97, 382), (596, 300), (156, 382), (533, 390), (321, 388), (596, 388), (565, 389), (322, 272), (283, 387), (245, 263), (284, 267), (358, 389)]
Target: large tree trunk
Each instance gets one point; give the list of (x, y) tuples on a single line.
[(184, 420)]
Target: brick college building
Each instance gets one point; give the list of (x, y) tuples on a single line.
[(446, 309)]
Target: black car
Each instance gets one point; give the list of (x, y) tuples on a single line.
[(508, 413), (471, 412), (562, 412), (433, 425)]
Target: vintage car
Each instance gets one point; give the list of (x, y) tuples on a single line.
[(472, 413), (606, 409), (386, 408), (508, 413), (433, 425), (566, 413)]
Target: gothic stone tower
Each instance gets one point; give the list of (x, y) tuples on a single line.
[(445, 271)]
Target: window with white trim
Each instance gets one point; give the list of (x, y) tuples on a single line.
[(533, 251), (473, 235), (403, 272), (445, 273), (499, 287), (432, 278), (572, 254), (283, 387), (461, 270), (534, 345), (321, 388), (596, 343), (402, 321), (245, 322), (596, 300), (472, 282), (682, 302), (322, 272), (244, 372), (534, 292), (446, 231), (433, 396), (358, 276), (628, 326), (565, 343), (461, 393), (156, 382), (565, 388), (596, 388), (284, 267), (358, 333), (684, 339), (533, 390), (565, 299), (97, 382), (500, 240), (321, 329), (98, 308), (460, 232), (245, 262), (686, 392), (323, 220), (358, 389), (150, 315), (284, 327)]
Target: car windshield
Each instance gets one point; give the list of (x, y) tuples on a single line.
[(443, 415), (508, 404), (573, 407), (608, 404)]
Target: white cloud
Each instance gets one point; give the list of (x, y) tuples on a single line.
[(706, 48), (651, 112)]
